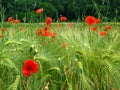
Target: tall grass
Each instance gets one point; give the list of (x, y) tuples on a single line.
[(87, 62)]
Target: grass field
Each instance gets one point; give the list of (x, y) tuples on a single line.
[(73, 57)]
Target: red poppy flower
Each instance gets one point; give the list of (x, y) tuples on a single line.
[(39, 32), (46, 31), (108, 28), (97, 21), (3, 29), (46, 28), (64, 45), (58, 25), (48, 20), (10, 19), (39, 11), (16, 21), (103, 33), (95, 28), (63, 18), (30, 66), (70, 24), (21, 28), (1, 36), (53, 35), (92, 20)]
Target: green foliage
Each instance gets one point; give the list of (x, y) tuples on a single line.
[(49, 9), (72, 9), (88, 62), (15, 85)]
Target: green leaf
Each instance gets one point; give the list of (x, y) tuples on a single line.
[(13, 42), (15, 85), (54, 69)]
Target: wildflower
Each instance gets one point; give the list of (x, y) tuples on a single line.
[(58, 25), (16, 21), (39, 32), (95, 28), (70, 24), (21, 28), (103, 33), (91, 20), (3, 29), (1, 36), (48, 20), (39, 11), (46, 31), (63, 18), (64, 45), (53, 35), (30, 66), (10, 19), (97, 21), (108, 28), (46, 28)]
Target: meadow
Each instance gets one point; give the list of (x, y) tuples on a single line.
[(60, 56)]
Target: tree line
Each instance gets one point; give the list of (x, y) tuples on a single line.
[(74, 10)]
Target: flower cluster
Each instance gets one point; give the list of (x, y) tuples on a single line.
[(30, 66), (10, 19), (93, 22)]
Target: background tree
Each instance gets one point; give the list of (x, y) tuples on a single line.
[(107, 10)]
